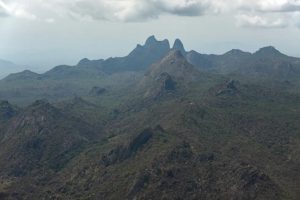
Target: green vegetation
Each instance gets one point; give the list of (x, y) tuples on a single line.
[(175, 132)]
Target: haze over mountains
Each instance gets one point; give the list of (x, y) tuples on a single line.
[(153, 50), (61, 81), (159, 123), (7, 67)]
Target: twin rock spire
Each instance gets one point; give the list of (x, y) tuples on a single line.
[(178, 45)]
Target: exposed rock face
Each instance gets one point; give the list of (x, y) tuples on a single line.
[(229, 88), (6, 110), (176, 66), (124, 152), (167, 83), (164, 77), (97, 91), (140, 140), (178, 45)]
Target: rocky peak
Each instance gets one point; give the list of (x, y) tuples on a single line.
[(178, 45), (151, 40), (176, 65), (84, 61), (152, 47)]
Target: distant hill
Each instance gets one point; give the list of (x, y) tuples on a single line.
[(7, 67), (24, 75), (267, 62)]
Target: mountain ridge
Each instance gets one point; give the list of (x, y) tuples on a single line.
[(140, 58), (63, 81)]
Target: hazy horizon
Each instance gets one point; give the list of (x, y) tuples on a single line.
[(43, 35)]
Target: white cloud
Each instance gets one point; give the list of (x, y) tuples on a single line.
[(3, 9), (15, 9), (248, 13), (260, 21), (278, 5)]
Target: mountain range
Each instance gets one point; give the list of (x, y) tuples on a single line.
[(266, 63), (160, 123)]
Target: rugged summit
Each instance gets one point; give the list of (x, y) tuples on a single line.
[(178, 45), (176, 65), (137, 60), (171, 72)]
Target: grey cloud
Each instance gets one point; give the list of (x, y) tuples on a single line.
[(188, 8), (251, 12), (14, 9), (135, 10), (290, 7)]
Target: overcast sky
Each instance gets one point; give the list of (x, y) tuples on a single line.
[(45, 33)]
